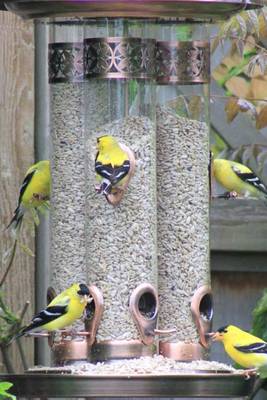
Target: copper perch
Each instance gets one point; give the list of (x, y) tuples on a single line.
[(164, 332)]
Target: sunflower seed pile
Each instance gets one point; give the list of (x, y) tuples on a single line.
[(121, 240), (68, 186), (183, 219), (156, 365)]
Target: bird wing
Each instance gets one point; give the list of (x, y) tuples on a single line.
[(25, 184), (49, 314), (250, 178), (113, 174), (260, 348)]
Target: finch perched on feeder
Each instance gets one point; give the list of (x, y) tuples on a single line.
[(62, 311), (112, 164), (247, 350), (34, 192), (238, 179)]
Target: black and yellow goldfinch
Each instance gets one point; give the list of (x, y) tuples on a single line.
[(62, 311), (238, 178), (34, 192), (112, 164), (247, 350)]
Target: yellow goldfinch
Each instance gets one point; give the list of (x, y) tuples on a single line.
[(245, 349), (62, 311), (34, 192), (112, 164), (236, 177)]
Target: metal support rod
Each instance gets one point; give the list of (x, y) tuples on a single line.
[(41, 143)]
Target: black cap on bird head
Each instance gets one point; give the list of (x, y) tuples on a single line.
[(100, 137), (84, 291), (223, 329)]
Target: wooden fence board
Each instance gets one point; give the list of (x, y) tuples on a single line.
[(238, 225), (16, 154)]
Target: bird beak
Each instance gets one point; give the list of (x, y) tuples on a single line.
[(215, 336), (88, 299)]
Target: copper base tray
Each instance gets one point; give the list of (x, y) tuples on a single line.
[(197, 384), (206, 9)]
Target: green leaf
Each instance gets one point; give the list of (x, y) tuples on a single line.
[(35, 216), (26, 249), (263, 371), (4, 386), (184, 32)]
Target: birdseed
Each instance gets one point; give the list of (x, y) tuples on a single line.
[(156, 365), (68, 186), (121, 240), (183, 219)]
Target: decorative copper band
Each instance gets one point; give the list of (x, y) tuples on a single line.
[(120, 349), (65, 62), (181, 351), (118, 57), (70, 351), (183, 62)]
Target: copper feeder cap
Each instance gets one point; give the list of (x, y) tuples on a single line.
[(198, 9)]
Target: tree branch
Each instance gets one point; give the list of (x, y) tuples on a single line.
[(9, 264)]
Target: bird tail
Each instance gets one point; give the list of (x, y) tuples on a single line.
[(16, 221), (21, 333), (105, 187)]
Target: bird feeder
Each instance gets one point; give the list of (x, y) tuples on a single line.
[(137, 72), (182, 186)]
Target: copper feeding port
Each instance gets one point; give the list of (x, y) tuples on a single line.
[(94, 312), (116, 196), (202, 312), (144, 309)]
